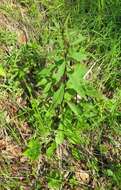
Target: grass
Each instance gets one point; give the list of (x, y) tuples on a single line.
[(60, 95)]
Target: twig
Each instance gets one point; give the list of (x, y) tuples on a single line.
[(89, 71)]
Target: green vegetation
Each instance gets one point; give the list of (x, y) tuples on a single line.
[(60, 95)]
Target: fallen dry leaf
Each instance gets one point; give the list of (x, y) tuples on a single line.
[(22, 38), (21, 102), (26, 188), (82, 176), (23, 159), (25, 128), (15, 151), (2, 144)]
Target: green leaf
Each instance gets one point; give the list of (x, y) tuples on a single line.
[(54, 184), (2, 72), (51, 150), (46, 71), (58, 97), (78, 40), (57, 76), (103, 149), (82, 87), (77, 86), (79, 72), (76, 81), (78, 56), (73, 136), (74, 37), (75, 153), (110, 172), (75, 109), (47, 87), (33, 150), (67, 96), (59, 138), (42, 82)]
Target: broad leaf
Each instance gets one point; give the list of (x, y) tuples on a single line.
[(75, 109), (58, 97), (42, 82), (79, 71), (33, 150), (57, 76), (76, 79), (47, 87), (46, 71), (51, 150), (78, 56)]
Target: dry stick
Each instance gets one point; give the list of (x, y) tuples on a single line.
[(91, 68), (86, 76), (89, 71), (24, 28), (17, 126)]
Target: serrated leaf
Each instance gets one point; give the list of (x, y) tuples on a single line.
[(78, 56), (2, 72), (79, 71), (78, 87), (58, 97), (76, 79), (78, 74)]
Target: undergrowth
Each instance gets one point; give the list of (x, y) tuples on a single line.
[(60, 95)]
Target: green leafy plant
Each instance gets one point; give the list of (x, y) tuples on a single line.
[(65, 91), (33, 150)]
